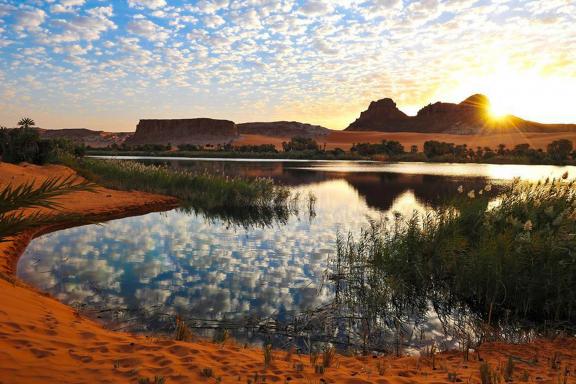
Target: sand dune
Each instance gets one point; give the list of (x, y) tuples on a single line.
[(45, 341), (345, 139)]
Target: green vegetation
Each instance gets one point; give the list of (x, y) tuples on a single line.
[(558, 152), (489, 267), (235, 200), (24, 144), (389, 148), (13, 199)]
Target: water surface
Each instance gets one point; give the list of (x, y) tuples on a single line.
[(137, 273)]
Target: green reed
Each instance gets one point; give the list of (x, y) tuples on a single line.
[(506, 259), (234, 200)]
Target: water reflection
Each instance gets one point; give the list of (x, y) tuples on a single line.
[(177, 263)]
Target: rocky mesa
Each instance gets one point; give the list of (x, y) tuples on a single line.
[(471, 116), (199, 131), (283, 129)]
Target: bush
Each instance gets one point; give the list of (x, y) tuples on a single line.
[(25, 145), (433, 148), (559, 150), (386, 147), (300, 144)]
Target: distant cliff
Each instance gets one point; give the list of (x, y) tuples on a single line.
[(471, 116), (283, 129), (184, 131), (88, 137)]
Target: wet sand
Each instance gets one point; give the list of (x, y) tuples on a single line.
[(45, 341)]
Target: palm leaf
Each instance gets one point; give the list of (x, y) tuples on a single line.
[(27, 195), (13, 199)]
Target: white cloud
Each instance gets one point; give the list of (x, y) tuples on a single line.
[(150, 4), (213, 21), (66, 6), (72, 50), (212, 6), (6, 9), (147, 29), (316, 7), (89, 27), (29, 19), (324, 47)]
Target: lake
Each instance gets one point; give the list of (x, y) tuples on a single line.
[(138, 273)]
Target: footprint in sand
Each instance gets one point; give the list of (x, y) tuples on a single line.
[(179, 350), (19, 343), (41, 353), (82, 358)]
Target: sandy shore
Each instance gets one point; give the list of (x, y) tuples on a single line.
[(45, 341), (345, 139)]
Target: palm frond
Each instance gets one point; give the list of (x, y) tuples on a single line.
[(13, 199), (27, 195)]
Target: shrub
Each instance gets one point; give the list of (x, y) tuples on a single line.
[(300, 144), (25, 145), (559, 150)]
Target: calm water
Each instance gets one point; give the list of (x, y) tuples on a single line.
[(137, 273)]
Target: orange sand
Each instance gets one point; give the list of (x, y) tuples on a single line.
[(345, 139), (45, 341)]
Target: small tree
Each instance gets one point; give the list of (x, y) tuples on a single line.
[(559, 150), (300, 144), (26, 122)]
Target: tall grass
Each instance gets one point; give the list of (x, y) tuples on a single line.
[(236, 200), (507, 260)]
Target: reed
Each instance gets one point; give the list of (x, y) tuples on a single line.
[(498, 259), (235, 200)]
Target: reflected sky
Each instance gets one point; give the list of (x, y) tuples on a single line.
[(178, 263)]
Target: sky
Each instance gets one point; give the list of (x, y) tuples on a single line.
[(104, 64)]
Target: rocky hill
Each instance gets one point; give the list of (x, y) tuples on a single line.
[(184, 131), (88, 137), (468, 117), (283, 129)]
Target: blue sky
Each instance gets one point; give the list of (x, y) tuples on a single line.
[(105, 64)]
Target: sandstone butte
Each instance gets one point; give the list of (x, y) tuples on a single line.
[(45, 341), (184, 131)]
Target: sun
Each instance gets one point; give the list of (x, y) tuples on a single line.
[(497, 111), (532, 93)]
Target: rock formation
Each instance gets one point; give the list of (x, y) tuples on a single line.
[(88, 137), (380, 115), (184, 131), (283, 129), (470, 116)]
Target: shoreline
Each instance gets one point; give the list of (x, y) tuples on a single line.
[(43, 340)]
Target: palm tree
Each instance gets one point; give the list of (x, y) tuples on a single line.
[(26, 122), (13, 199)]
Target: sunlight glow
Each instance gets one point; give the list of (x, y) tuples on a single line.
[(534, 93)]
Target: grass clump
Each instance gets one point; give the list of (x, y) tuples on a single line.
[(328, 355), (156, 380), (267, 355), (236, 200), (183, 332)]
